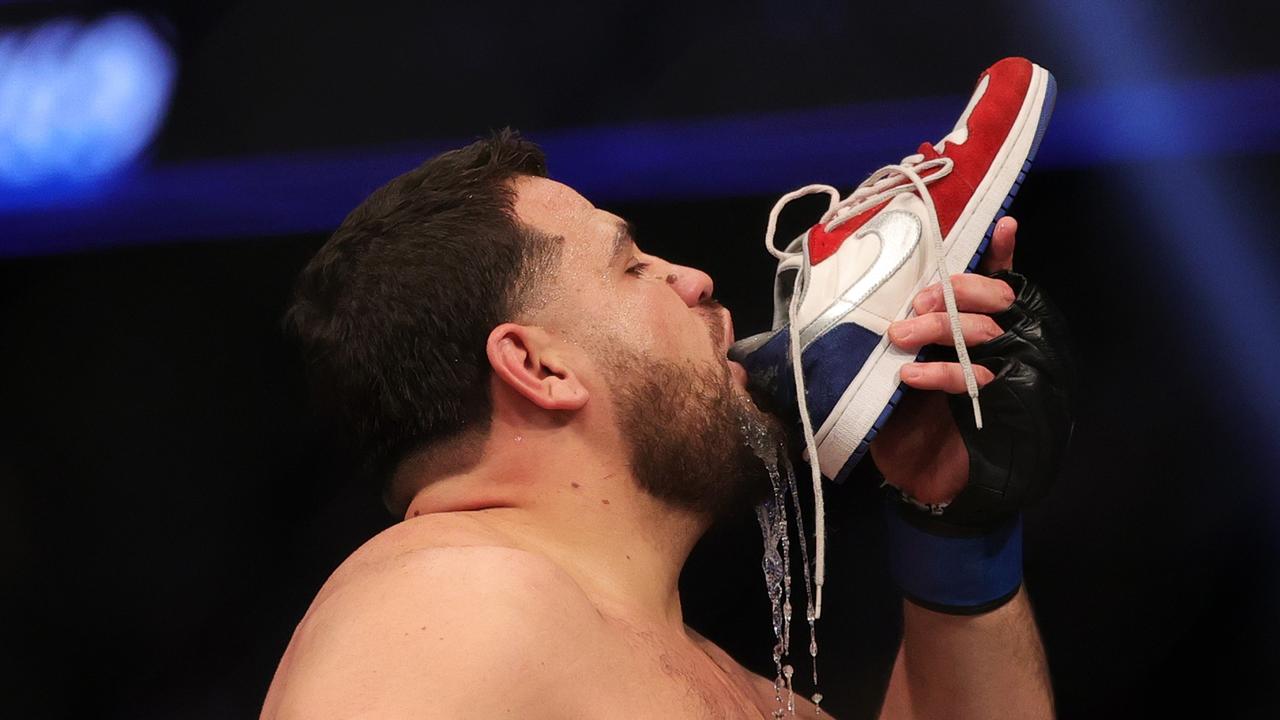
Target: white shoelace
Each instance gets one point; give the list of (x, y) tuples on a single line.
[(883, 185)]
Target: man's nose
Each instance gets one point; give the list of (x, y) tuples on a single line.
[(692, 285)]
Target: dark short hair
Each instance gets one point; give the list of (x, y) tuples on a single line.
[(392, 314)]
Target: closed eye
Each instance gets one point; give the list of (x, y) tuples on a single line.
[(638, 269)]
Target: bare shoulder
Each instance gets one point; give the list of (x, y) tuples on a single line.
[(439, 615), (412, 542)]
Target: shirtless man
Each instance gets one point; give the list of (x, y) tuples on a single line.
[(551, 410)]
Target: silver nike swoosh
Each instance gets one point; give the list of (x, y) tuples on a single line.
[(899, 234)]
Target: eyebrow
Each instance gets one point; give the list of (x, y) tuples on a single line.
[(624, 241)]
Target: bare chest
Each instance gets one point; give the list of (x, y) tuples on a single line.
[(647, 677)]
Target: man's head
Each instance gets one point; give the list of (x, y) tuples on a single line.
[(475, 274), (651, 341), (393, 312)]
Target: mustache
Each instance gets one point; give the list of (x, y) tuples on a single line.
[(713, 314)]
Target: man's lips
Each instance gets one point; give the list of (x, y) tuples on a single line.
[(727, 321), (736, 369), (739, 373)]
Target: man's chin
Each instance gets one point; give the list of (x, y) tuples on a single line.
[(711, 449)]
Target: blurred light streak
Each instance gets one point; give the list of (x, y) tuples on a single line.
[(78, 102), (720, 157), (1205, 252)]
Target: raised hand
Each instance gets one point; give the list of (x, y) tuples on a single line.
[(920, 449)]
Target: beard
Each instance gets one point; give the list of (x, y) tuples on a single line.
[(695, 438)]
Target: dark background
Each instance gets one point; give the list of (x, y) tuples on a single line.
[(168, 507)]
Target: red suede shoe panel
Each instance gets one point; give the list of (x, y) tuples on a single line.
[(989, 126)]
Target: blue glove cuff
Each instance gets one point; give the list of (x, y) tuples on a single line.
[(962, 572)]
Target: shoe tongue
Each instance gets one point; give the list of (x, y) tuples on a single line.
[(929, 151)]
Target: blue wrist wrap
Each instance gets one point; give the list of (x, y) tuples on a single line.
[(960, 573)]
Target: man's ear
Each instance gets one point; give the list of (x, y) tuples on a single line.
[(526, 360)]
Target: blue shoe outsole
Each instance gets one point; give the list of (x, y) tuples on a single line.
[(1051, 94)]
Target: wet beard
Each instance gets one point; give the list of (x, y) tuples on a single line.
[(686, 428)]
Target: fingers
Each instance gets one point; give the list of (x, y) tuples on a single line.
[(974, 293), (935, 329), (946, 377), (1000, 254)]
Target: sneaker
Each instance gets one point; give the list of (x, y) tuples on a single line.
[(843, 281), (840, 284)]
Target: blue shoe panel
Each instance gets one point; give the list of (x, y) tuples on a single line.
[(829, 364)]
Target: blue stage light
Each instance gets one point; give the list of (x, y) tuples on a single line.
[(1208, 245), (79, 102), (742, 155)]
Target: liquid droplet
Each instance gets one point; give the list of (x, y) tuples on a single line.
[(776, 560), (787, 672), (810, 612)]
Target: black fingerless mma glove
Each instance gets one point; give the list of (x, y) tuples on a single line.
[(965, 557)]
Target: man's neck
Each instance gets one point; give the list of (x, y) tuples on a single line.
[(585, 512)]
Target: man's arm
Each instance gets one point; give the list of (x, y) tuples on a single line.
[(450, 632), (970, 645), (970, 666)]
